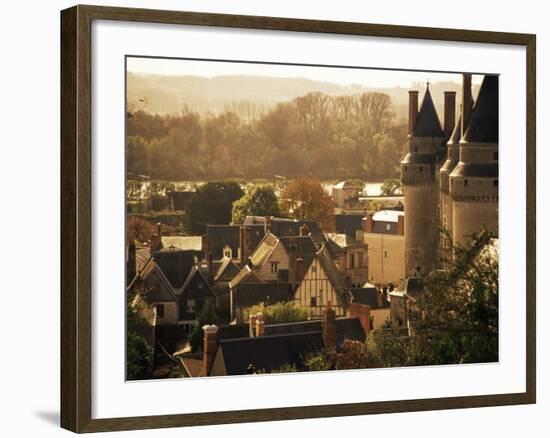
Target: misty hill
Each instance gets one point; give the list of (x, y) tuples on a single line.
[(171, 94)]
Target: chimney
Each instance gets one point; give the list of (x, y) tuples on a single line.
[(131, 262), (260, 324), (267, 224), (252, 325), (304, 230), (299, 269), (244, 235), (466, 101), (368, 223), (413, 109), (292, 250), (449, 116), (379, 298), (329, 328), (362, 313), (210, 348), (401, 225)]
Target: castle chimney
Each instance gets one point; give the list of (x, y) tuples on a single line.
[(449, 116), (466, 101), (401, 225), (210, 348), (260, 325), (362, 313), (368, 223), (252, 325), (304, 230), (267, 224), (329, 328), (413, 109)]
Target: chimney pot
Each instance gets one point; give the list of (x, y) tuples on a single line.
[(252, 325), (260, 324), (210, 348)]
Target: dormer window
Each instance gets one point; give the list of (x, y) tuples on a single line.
[(274, 267), (227, 252)]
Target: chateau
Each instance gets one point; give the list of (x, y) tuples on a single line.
[(450, 174)]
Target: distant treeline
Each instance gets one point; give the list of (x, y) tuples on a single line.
[(328, 137)]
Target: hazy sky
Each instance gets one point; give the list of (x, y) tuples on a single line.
[(342, 76)]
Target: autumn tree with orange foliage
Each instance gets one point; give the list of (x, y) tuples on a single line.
[(306, 199)]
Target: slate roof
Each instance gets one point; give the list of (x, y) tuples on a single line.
[(157, 286), (218, 236), (175, 265), (268, 352), (343, 240), (346, 328), (348, 223), (284, 227), (368, 296), (334, 276), (483, 125), (427, 122), (488, 170), (227, 270)]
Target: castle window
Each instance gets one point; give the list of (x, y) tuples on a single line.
[(421, 169), (405, 168), (465, 182), (495, 182), (416, 148), (385, 254), (495, 156)]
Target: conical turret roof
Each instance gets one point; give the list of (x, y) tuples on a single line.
[(427, 123), (457, 131), (483, 126)]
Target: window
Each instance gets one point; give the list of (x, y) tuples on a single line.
[(360, 262), (190, 306), (385, 254), (405, 168), (421, 169), (350, 261), (314, 269), (495, 156), (495, 182), (160, 310), (227, 251), (465, 182), (274, 267), (313, 302), (388, 227)]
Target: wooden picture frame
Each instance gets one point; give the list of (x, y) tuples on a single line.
[(76, 217)]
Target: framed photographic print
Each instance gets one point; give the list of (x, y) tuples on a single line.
[(339, 216)]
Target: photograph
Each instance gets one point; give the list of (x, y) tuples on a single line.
[(285, 218)]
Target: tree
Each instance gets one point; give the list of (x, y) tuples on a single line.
[(306, 199), (212, 204), (279, 313), (258, 201), (455, 320), (206, 316), (139, 354), (391, 187)]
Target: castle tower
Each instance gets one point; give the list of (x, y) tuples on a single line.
[(421, 185), (474, 180)]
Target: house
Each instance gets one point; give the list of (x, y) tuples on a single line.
[(405, 296), (321, 283), (288, 268), (272, 348), (235, 242), (350, 256), (384, 233), (284, 227), (378, 303), (172, 282), (345, 194), (349, 223)]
